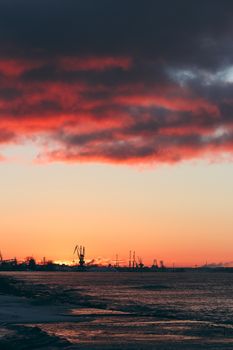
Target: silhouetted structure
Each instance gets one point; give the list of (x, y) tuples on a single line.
[(117, 261), (30, 264), (154, 266), (162, 264), (130, 259), (80, 251), (134, 260)]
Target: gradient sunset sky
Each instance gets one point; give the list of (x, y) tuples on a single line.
[(116, 129)]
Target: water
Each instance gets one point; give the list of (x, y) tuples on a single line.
[(145, 309)]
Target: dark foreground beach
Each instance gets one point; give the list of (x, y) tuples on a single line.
[(161, 311)]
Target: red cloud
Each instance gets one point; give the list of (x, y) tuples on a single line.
[(108, 115), (15, 67), (93, 63), (169, 102)]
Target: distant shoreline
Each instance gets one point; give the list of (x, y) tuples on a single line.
[(104, 269)]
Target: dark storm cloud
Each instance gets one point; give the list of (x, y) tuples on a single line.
[(121, 81), (9, 93), (173, 30)]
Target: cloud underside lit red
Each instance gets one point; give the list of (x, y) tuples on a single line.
[(110, 92)]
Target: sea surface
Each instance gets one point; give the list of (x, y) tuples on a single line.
[(145, 309)]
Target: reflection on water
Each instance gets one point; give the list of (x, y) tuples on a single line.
[(94, 312), (130, 331), (100, 330), (145, 307)]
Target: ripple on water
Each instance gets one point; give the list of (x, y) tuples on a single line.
[(108, 329), (95, 311)]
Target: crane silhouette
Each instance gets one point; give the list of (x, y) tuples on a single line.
[(80, 251)]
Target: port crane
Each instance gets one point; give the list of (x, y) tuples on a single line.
[(155, 264), (162, 264), (80, 251), (140, 263)]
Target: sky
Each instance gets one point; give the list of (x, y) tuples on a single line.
[(116, 129)]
